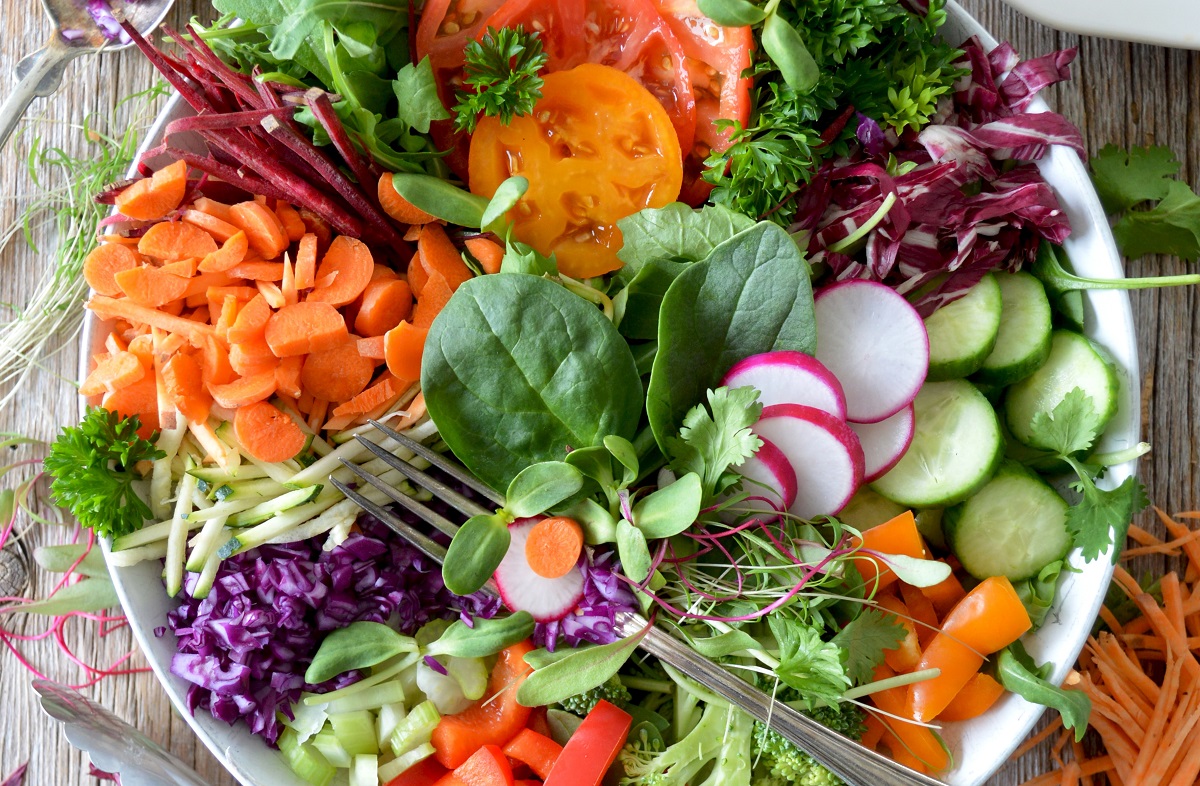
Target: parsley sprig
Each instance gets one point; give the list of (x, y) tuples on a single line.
[(503, 70), (92, 465)]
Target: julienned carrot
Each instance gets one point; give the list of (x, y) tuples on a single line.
[(976, 697), (150, 286), (338, 374), (487, 252), (105, 261), (305, 328), (152, 198), (1177, 530), (251, 321), (113, 372), (110, 308), (289, 217), (404, 345), (385, 304), (350, 264), (231, 253), (272, 294), (227, 316), (171, 241), (287, 376), (287, 284), (439, 257), (397, 206), (373, 348), (262, 227), (184, 382), (434, 297), (258, 271), (266, 433), (306, 262), (220, 230), (553, 546), (201, 283), (245, 390)]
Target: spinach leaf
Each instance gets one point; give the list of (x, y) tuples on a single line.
[(675, 232), (517, 370), (751, 295), (640, 302)]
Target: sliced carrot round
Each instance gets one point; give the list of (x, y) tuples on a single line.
[(153, 197), (266, 433), (141, 399), (184, 383), (245, 390), (403, 347), (262, 227), (397, 206), (171, 241), (102, 265), (344, 272), (306, 327), (554, 546), (488, 253), (231, 253), (440, 257), (337, 374), (116, 371), (251, 321), (385, 304), (150, 286)]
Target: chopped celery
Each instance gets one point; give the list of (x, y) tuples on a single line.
[(355, 731), (364, 771), (305, 760), (331, 748), (416, 729), (386, 721), (390, 771), (383, 672), (307, 720), (387, 693)]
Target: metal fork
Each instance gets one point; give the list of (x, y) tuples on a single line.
[(854, 763)]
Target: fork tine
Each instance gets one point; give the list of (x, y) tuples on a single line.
[(441, 462), (413, 506), (445, 493), (405, 530)]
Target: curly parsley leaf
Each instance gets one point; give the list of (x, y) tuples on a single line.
[(864, 641), (92, 465), (1125, 178), (503, 69), (808, 663), (709, 445)]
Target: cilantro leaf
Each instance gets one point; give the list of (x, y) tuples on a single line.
[(710, 444), (808, 663), (1125, 178), (1072, 426), (502, 67), (1017, 672), (1102, 517), (865, 640), (417, 98), (92, 465), (1170, 227)]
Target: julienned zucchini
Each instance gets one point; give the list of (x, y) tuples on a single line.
[(1014, 526), (1023, 342), (272, 507), (954, 451), (1074, 362), (963, 333)]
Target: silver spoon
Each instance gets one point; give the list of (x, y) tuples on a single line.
[(41, 73)]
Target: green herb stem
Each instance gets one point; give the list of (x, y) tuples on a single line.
[(899, 681)]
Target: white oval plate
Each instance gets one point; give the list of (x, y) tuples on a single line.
[(980, 746), (1166, 22)]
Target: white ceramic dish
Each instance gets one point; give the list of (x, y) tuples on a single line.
[(980, 746), (1166, 22)]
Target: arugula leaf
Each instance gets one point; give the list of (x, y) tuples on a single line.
[(417, 97), (1073, 425), (808, 663), (1101, 518), (1123, 178), (502, 67), (1037, 593), (709, 445), (1170, 227), (92, 465), (865, 639), (1017, 672)]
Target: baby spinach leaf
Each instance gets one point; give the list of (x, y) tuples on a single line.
[(517, 370), (581, 670), (541, 486), (486, 638), (477, 550), (642, 299), (675, 232), (623, 451), (671, 509), (359, 645), (751, 295)]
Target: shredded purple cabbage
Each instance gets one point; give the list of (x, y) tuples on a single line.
[(594, 620), (969, 198), (101, 12), (246, 646)]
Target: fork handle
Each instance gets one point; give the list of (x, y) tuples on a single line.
[(40, 75), (853, 763)]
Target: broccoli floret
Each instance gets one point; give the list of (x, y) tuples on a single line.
[(613, 691), (721, 742), (780, 762)]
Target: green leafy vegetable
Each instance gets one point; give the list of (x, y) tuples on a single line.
[(709, 444), (417, 102), (751, 295), (359, 645), (864, 641), (669, 510), (1037, 593), (732, 13), (476, 551), (93, 469), (503, 68), (59, 559), (1127, 180), (441, 199), (89, 595), (1061, 284), (1017, 672), (633, 551), (487, 637), (575, 671), (517, 370), (785, 46), (1170, 227), (539, 487), (808, 663)]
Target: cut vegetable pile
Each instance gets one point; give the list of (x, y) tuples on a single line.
[(754, 316)]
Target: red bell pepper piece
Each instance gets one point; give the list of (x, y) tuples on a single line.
[(426, 772), (592, 748), (493, 720), (537, 750), (488, 766)]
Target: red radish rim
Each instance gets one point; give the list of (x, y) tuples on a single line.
[(790, 356), (837, 427), (777, 460), (506, 595), (885, 468)]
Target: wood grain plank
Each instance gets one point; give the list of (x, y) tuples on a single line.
[(1122, 94)]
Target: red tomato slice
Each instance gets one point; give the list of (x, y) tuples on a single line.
[(628, 35), (716, 59)]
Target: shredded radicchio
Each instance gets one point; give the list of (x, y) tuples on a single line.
[(594, 620), (968, 197), (246, 646)]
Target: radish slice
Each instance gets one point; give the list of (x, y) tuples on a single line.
[(789, 377), (823, 451), (885, 443), (875, 343), (523, 590), (768, 475)]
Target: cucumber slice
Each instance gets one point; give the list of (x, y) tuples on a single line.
[(954, 451), (867, 508), (962, 333), (1024, 340), (929, 524), (1074, 362), (1014, 526)]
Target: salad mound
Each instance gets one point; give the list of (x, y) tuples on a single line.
[(752, 315)]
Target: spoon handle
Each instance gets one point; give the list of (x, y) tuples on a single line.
[(40, 76)]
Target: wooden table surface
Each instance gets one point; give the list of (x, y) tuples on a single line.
[(1121, 93)]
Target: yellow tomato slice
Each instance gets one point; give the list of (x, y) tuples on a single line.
[(597, 148)]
